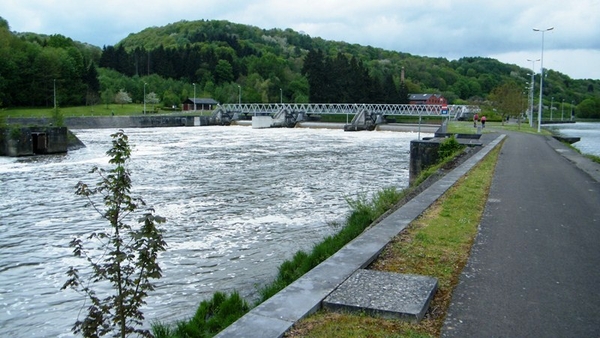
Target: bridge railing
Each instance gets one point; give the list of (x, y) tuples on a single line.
[(349, 108)]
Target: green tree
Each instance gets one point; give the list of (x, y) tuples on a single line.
[(122, 97), (170, 99), (508, 100), (152, 98), (108, 97), (403, 94), (589, 108), (57, 118), (224, 72), (129, 256)]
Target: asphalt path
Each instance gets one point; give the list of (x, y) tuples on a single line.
[(534, 269)]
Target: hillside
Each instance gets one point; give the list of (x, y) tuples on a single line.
[(231, 62)]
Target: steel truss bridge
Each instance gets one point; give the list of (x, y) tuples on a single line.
[(364, 116), (350, 108)]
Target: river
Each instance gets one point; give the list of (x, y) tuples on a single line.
[(589, 132), (238, 202)]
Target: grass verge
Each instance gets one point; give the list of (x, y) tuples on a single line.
[(593, 158), (437, 244), (466, 127)]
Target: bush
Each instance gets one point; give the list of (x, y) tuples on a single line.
[(449, 147), (211, 317)]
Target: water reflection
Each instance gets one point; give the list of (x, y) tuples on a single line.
[(238, 202)]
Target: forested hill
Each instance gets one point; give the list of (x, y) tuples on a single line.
[(225, 60)]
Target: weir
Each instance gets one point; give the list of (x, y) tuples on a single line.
[(365, 116)]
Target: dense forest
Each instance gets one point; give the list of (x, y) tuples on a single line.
[(231, 62)]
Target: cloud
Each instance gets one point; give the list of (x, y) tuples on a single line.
[(436, 28)]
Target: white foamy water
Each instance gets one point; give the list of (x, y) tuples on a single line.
[(238, 202)]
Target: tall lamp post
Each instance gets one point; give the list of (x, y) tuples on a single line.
[(562, 109), (54, 95), (145, 97), (194, 84), (239, 95), (539, 129), (532, 91), (280, 96), (551, 106)]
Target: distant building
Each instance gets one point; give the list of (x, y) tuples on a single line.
[(435, 99), (200, 103)]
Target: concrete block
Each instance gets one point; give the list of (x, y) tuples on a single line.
[(384, 294)]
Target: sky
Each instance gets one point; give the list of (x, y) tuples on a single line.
[(501, 29)]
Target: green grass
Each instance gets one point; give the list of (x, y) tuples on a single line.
[(210, 318), (436, 244), (96, 110), (466, 127), (593, 158)]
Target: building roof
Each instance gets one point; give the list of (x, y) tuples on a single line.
[(421, 97), (202, 100)]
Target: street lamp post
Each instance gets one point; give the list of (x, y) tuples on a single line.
[(532, 91), (239, 95), (194, 84), (280, 96), (551, 106), (562, 109), (145, 97), (54, 95), (541, 77)]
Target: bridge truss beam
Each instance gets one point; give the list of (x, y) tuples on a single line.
[(349, 108)]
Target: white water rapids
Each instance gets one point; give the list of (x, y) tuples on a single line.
[(238, 202)]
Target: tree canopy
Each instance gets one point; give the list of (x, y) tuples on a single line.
[(217, 56)]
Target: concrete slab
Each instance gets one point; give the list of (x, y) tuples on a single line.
[(253, 325), (384, 294)]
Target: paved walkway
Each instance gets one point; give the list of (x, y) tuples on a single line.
[(534, 270)]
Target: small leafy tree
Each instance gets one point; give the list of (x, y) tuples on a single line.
[(152, 98), (57, 118), (508, 100), (108, 97), (122, 97), (129, 254)]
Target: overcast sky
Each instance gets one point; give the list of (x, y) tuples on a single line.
[(501, 29)]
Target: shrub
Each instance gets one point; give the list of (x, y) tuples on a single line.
[(449, 147)]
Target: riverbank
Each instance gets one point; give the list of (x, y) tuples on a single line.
[(416, 250), (274, 317), (428, 246)]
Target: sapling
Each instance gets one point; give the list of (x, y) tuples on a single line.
[(128, 258)]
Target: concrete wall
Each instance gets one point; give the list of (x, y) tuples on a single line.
[(261, 122), (118, 122), (423, 153), (27, 141)]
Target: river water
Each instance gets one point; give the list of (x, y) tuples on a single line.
[(589, 132), (238, 202)]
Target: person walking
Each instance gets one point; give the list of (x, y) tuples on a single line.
[(475, 118), (483, 121)]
